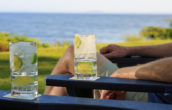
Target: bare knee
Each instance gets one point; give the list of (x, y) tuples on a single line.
[(71, 49), (69, 59), (69, 54), (66, 62)]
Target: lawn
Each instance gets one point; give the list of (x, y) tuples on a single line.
[(47, 58)]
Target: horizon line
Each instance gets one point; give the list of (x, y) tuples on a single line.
[(83, 12)]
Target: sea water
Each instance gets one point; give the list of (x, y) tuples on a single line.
[(85, 69), (24, 85)]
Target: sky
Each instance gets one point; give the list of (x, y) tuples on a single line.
[(88, 6)]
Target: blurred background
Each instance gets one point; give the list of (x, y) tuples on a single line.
[(53, 23)]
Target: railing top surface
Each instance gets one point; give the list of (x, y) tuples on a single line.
[(110, 83)]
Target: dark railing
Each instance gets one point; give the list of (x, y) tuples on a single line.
[(47, 102), (84, 89), (132, 60)]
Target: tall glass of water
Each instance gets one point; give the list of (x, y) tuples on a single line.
[(23, 65), (85, 56)]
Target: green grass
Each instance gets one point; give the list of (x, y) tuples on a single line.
[(47, 58)]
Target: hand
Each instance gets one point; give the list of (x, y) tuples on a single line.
[(108, 94), (112, 51), (127, 72)]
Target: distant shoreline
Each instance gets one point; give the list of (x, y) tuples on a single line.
[(59, 27), (86, 13)]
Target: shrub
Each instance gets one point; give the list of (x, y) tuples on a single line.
[(45, 45), (131, 38), (15, 38), (4, 41), (169, 32), (6, 38), (152, 32)]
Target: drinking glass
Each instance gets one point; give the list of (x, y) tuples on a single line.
[(85, 56), (23, 66)]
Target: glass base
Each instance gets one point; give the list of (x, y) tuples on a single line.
[(85, 76), (21, 97)]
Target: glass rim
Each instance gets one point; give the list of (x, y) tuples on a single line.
[(84, 35), (22, 41)]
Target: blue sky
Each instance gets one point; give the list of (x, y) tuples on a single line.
[(87, 6)]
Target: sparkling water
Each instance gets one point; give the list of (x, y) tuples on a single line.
[(85, 56), (85, 68), (23, 65), (24, 85)]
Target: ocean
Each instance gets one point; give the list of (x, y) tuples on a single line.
[(54, 27)]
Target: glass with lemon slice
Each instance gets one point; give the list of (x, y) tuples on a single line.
[(23, 65), (85, 57)]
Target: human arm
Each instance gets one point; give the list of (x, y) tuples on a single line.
[(159, 70), (161, 50)]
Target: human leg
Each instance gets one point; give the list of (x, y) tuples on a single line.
[(66, 66), (63, 66)]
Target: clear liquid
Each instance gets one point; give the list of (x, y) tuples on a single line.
[(24, 85), (85, 68)]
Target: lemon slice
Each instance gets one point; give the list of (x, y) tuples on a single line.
[(77, 41), (22, 80), (85, 67), (17, 63), (34, 58)]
